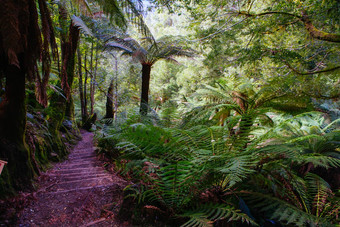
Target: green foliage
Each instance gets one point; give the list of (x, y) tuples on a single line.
[(206, 216), (204, 167), (316, 203)]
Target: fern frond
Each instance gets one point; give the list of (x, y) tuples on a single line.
[(173, 184), (118, 46), (319, 190), (317, 160), (238, 168), (207, 214), (282, 211), (78, 22)]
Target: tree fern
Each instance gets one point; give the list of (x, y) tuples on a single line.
[(174, 183), (287, 213), (178, 165)]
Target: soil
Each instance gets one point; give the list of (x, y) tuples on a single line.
[(76, 192)]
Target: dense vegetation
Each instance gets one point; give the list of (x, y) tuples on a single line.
[(222, 113)]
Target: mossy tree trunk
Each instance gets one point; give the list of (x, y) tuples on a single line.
[(12, 130), (71, 48), (59, 105)]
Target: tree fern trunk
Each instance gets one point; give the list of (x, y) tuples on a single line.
[(146, 70), (109, 103), (12, 131)]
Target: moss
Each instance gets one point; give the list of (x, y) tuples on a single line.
[(56, 114), (6, 188), (19, 172)]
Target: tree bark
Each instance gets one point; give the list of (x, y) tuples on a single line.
[(109, 103), (59, 106), (313, 31), (81, 94), (144, 103), (116, 90), (72, 45), (85, 89), (93, 80), (318, 34), (13, 148)]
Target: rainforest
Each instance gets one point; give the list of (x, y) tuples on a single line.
[(170, 113)]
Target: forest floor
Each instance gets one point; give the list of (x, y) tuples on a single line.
[(76, 192)]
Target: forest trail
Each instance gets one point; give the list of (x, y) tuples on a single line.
[(76, 192)]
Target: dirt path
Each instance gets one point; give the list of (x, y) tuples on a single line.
[(77, 192)]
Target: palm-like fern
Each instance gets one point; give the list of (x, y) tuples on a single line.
[(243, 107), (176, 164), (180, 167), (148, 52), (314, 203)]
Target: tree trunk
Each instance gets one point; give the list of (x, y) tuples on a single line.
[(144, 102), (81, 94), (116, 90), (72, 45), (91, 80), (109, 103), (116, 87), (85, 90), (59, 106), (12, 130)]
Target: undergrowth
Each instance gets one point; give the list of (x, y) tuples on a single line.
[(210, 175)]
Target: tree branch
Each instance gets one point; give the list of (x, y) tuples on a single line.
[(247, 14), (316, 33), (312, 30), (311, 72)]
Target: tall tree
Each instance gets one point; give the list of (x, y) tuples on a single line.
[(147, 53), (22, 44)]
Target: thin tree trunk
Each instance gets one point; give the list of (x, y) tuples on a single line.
[(109, 104), (85, 84), (144, 104), (116, 89), (93, 81), (81, 94)]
